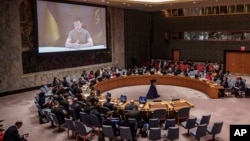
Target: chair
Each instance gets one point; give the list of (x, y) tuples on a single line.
[(55, 121), (182, 113), (215, 129), (161, 114), (189, 124), (229, 89), (125, 133), (204, 120), (243, 91), (70, 125), (154, 134), (41, 111), (153, 123), (95, 123), (85, 119), (169, 123), (108, 131), (199, 132), (172, 133), (134, 121), (104, 110), (82, 130), (72, 114)]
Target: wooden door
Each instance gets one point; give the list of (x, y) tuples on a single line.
[(238, 62), (176, 55)]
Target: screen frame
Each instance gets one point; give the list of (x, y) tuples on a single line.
[(108, 95), (142, 97), (36, 32), (123, 96)]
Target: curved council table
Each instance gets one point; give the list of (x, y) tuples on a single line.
[(208, 87)]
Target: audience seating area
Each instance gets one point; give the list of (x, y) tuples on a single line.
[(85, 125)]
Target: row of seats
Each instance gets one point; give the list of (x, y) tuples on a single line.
[(88, 123)]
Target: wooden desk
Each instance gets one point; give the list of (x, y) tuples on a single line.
[(207, 87), (150, 106)]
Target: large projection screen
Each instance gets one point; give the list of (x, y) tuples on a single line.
[(58, 22)]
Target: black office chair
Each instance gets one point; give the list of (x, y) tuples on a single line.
[(204, 120), (154, 134), (215, 129), (169, 123), (182, 114), (108, 131), (82, 130), (70, 125), (161, 114), (172, 133), (189, 124), (199, 132)]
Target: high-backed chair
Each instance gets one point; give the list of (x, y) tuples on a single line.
[(134, 121), (153, 123), (182, 114), (204, 120), (169, 123), (95, 123), (73, 114), (161, 114), (70, 125), (41, 111), (172, 133), (199, 132), (82, 130), (108, 131), (154, 134), (125, 133), (85, 119), (189, 124), (215, 129), (56, 121), (104, 110)]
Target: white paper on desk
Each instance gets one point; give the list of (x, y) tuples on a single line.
[(86, 95), (102, 100)]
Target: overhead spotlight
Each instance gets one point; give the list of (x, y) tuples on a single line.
[(194, 2)]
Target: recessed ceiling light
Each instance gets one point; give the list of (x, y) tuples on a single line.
[(194, 2)]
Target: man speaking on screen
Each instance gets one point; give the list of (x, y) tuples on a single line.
[(78, 37)]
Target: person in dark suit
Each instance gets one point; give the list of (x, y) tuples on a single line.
[(76, 107), (12, 134), (131, 125), (239, 86), (108, 104), (108, 121), (134, 113), (59, 112), (130, 105)]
